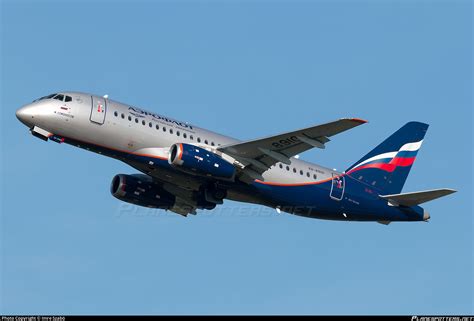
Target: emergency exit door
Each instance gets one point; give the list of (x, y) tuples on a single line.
[(99, 108)]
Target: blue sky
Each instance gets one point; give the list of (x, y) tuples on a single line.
[(246, 69)]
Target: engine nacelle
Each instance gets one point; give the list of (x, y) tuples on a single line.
[(141, 190), (199, 161)]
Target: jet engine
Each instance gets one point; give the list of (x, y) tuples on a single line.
[(199, 161), (141, 190)]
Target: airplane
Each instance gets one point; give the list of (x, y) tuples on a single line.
[(184, 168)]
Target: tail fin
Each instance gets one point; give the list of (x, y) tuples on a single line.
[(387, 166)]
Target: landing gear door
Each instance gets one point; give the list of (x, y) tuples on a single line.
[(99, 108), (337, 187)]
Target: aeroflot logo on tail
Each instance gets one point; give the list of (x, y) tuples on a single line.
[(134, 111)]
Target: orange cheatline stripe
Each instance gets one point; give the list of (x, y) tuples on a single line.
[(120, 150), (258, 181), (297, 184), (148, 155)]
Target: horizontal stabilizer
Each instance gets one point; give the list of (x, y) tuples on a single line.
[(416, 198)]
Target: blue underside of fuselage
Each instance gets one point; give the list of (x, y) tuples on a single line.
[(359, 202)]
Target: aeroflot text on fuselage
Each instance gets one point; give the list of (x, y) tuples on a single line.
[(139, 112)]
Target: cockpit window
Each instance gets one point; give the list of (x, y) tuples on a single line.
[(56, 96), (59, 97), (46, 97)]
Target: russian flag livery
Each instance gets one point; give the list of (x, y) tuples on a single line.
[(390, 161), (387, 166)]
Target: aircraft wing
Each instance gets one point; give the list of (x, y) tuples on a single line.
[(259, 155)]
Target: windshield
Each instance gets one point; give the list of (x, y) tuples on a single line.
[(60, 97), (46, 97)]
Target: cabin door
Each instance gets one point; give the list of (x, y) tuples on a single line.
[(99, 109), (337, 187)]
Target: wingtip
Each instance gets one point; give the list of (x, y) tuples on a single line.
[(359, 120)]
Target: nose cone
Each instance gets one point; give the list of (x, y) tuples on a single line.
[(26, 115)]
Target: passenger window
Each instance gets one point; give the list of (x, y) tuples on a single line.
[(287, 168), (143, 122), (177, 133), (191, 137), (206, 142), (115, 114), (68, 99), (184, 135), (157, 127), (164, 129), (315, 176), (199, 139), (294, 170), (129, 118), (136, 120), (281, 166), (307, 174), (150, 125), (123, 116), (301, 172), (212, 144), (171, 131)]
